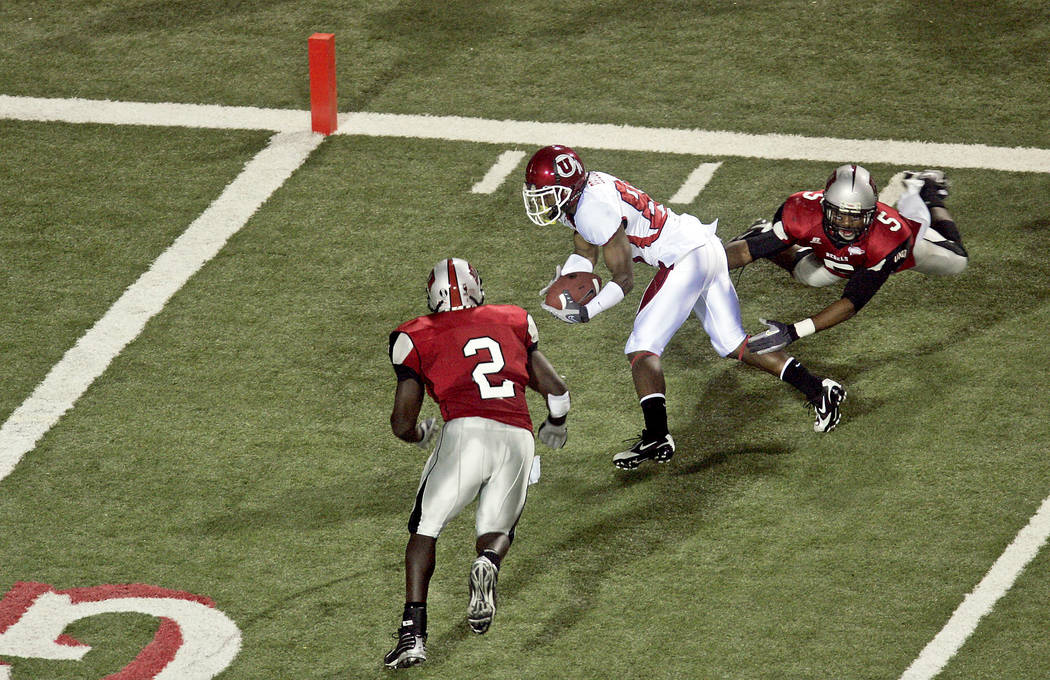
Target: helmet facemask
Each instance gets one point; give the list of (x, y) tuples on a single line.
[(846, 226), (454, 284), (849, 204), (544, 205)]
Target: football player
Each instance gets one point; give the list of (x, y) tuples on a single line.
[(475, 361), (844, 233), (609, 215)]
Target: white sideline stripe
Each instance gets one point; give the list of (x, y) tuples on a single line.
[(511, 132), (202, 240), (697, 142), (505, 164), (999, 579), (144, 113), (695, 183)]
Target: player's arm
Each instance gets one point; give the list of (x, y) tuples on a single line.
[(858, 291), (759, 241), (617, 256), (544, 379), (408, 396), (751, 248), (582, 259), (408, 400)]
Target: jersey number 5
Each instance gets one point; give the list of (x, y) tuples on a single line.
[(485, 368)]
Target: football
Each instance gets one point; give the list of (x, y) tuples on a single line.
[(580, 287)]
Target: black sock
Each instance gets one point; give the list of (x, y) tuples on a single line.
[(492, 557), (948, 230), (796, 375), (654, 410), (415, 616)]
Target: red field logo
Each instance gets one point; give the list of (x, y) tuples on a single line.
[(195, 641)]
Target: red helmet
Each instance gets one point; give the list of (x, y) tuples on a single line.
[(554, 178)]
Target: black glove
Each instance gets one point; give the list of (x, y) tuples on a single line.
[(779, 336)]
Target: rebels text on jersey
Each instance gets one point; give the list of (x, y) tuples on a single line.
[(473, 362), (800, 221), (658, 236)]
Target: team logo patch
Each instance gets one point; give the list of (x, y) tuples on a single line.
[(567, 165), (856, 250)]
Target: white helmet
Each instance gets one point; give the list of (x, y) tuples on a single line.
[(849, 204), (454, 284)]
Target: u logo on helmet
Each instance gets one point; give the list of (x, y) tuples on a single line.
[(567, 165)]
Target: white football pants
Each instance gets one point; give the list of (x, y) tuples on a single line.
[(698, 283), (475, 458)]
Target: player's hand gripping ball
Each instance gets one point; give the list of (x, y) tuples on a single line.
[(568, 295), (578, 287)]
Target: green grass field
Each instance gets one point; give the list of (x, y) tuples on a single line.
[(239, 448)]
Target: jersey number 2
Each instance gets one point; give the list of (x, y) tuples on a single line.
[(483, 369)]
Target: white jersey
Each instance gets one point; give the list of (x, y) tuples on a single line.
[(658, 235)]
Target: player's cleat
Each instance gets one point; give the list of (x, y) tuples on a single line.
[(827, 406), (757, 227), (645, 449), (410, 650), (482, 584), (934, 187)]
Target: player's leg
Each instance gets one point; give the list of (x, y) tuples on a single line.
[(450, 480), (509, 455), (665, 306), (718, 308), (938, 244)]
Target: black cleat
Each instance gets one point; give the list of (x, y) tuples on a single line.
[(934, 186), (410, 650), (827, 406), (645, 449)]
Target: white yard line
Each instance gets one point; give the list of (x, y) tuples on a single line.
[(534, 134), (999, 579), (93, 352), (695, 183), (498, 173), (267, 171)]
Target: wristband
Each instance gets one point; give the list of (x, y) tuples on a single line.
[(558, 404), (609, 295), (805, 327), (577, 263)]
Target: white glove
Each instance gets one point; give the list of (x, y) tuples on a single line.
[(427, 429), (554, 436), (557, 275), (573, 312)]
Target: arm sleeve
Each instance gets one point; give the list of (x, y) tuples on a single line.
[(866, 282), (770, 242), (765, 244), (863, 285)]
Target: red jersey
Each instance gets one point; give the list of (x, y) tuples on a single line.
[(801, 220), (473, 362)]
